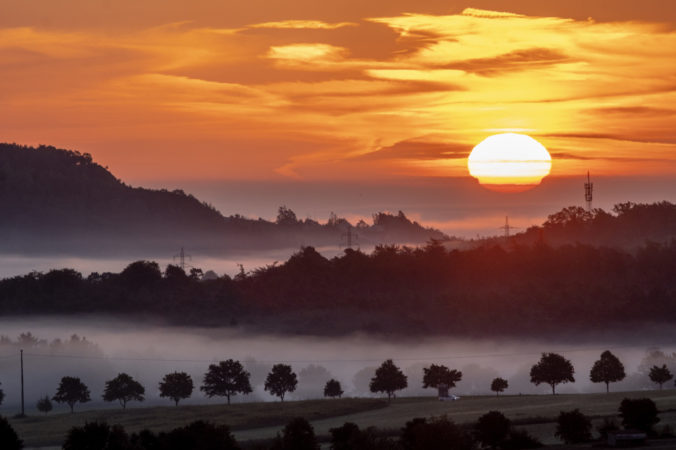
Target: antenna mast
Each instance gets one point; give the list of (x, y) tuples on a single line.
[(588, 190)]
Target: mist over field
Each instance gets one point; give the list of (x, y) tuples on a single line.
[(147, 352)]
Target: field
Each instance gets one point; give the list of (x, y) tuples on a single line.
[(254, 421)]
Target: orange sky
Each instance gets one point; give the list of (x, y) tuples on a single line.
[(349, 90)]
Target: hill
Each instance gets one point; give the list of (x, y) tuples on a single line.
[(60, 201)]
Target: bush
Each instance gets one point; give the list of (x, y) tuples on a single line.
[(199, 435), (9, 440), (606, 427), (492, 429), (297, 435), (44, 404), (437, 434), (96, 435), (520, 439), (350, 437), (640, 414), (573, 427)]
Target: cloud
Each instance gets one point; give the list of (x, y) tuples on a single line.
[(303, 24), (419, 150)]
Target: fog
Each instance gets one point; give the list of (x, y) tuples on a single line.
[(147, 352)]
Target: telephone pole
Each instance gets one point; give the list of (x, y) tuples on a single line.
[(23, 410)]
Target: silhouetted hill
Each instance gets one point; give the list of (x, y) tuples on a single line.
[(629, 226), (56, 200)]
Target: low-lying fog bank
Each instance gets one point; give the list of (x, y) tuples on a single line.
[(147, 352)]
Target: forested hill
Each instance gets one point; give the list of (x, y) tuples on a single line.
[(55, 200)]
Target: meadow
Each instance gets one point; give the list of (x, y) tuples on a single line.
[(262, 420)]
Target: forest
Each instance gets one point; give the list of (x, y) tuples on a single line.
[(61, 201), (495, 289)]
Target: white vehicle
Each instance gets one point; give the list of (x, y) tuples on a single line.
[(449, 398)]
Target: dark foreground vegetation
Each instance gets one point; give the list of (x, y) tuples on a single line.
[(60, 201), (506, 289), (490, 429)]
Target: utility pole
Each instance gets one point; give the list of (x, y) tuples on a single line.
[(23, 411), (181, 259), (507, 227)]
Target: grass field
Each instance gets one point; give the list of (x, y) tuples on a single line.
[(253, 421)]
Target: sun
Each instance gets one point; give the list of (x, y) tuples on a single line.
[(509, 162)]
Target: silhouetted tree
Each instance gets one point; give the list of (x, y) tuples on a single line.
[(44, 404), (607, 370), (640, 414), (123, 388), (389, 379), (520, 440), (498, 385), (97, 435), (176, 386), (281, 380), (9, 440), (226, 379), (285, 216), (297, 435), (71, 391), (492, 429), (435, 375), (333, 388), (436, 434), (552, 369), (199, 435), (350, 437), (573, 427), (660, 375)]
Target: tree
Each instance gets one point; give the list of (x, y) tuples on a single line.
[(176, 386), (226, 379), (44, 404), (660, 375), (198, 435), (607, 370), (123, 388), (389, 379), (492, 429), (436, 434), (573, 427), (96, 435), (552, 369), (71, 391), (297, 435), (333, 388), (498, 385), (281, 380), (9, 440), (434, 376), (639, 413)]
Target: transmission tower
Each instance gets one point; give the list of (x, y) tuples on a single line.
[(350, 237), (588, 191), (181, 259), (507, 227)]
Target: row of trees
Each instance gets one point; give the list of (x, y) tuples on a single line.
[(229, 378)]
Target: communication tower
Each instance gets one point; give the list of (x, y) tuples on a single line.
[(588, 191), (507, 227)]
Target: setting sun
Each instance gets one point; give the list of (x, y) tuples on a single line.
[(509, 162)]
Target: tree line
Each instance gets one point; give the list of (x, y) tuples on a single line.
[(486, 291), (229, 378)]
